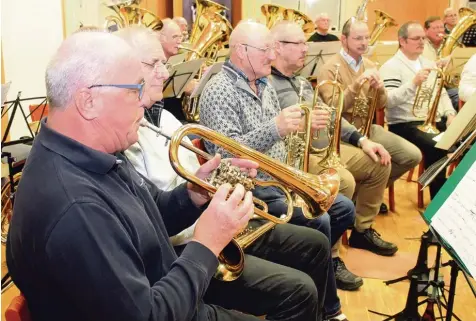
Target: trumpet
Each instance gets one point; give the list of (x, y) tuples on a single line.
[(424, 97), (319, 191)]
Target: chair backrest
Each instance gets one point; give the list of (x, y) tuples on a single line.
[(37, 110), (18, 310), (460, 104), (380, 116), (198, 142)]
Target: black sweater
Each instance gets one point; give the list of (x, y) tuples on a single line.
[(320, 38), (89, 240)]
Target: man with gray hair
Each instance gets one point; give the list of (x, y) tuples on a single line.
[(183, 24), (450, 19), (239, 103), (402, 75), (322, 29), (92, 243)]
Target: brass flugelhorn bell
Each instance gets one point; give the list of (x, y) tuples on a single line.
[(128, 14)]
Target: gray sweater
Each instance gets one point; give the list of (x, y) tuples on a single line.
[(229, 106)]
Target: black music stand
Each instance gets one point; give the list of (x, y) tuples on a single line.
[(317, 55), (469, 37), (180, 76), (16, 105)]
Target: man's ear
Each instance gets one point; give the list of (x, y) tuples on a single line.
[(84, 104), (240, 50)]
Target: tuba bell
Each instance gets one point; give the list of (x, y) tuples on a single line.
[(426, 103), (382, 21), (128, 13), (319, 192), (275, 13)]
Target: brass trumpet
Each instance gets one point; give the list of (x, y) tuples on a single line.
[(319, 192), (424, 97), (364, 108)]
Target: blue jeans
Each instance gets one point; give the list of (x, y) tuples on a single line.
[(331, 224)]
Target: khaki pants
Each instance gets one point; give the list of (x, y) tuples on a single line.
[(405, 155)]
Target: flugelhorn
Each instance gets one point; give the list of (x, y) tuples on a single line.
[(318, 191), (424, 105)]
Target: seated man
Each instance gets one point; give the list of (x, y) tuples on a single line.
[(93, 244), (435, 31), (322, 30), (239, 103), (402, 74), (450, 19), (371, 174), (183, 24), (150, 157), (467, 85), (291, 48)]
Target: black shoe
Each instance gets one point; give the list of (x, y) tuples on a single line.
[(370, 240), (345, 280), (383, 208)]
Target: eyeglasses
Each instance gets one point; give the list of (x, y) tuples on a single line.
[(265, 50), (138, 87), (157, 65), (417, 38), (301, 43), (360, 39)]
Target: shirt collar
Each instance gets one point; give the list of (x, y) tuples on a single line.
[(350, 60), (241, 74), (278, 73), (77, 153)]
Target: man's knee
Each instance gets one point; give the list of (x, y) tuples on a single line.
[(304, 288), (321, 224), (412, 154), (347, 183)]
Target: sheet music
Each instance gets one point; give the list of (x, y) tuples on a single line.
[(455, 220), (5, 89)]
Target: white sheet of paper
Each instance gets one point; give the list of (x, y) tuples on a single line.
[(455, 221), (438, 137)]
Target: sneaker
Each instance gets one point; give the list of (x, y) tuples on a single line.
[(338, 317), (345, 280), (383, 208), (370, 240)]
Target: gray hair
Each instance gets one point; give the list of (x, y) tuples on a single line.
[(403, 31), (82, 60), (447, 11), (142, 40), (281, 28), (322, 15), (348, 25)]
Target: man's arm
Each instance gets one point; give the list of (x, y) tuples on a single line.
[(219, 112), (445, 107), (94, 258), (399, 91), (327, 73), (467, 85)]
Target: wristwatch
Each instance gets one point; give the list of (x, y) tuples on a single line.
[(359, 142)]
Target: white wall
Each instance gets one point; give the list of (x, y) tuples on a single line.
[(32, 30)]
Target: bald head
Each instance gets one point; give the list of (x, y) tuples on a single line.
[(84, 59), (249, 32), (169, 26), (287, 30), (180, 21), (291, 46)]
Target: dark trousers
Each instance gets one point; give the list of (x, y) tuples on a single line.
[(454, 97), (332, 224), (425, 142), (284, 277)]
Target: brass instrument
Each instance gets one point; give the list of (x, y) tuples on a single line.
[(318, 191), (424, 97), (128, 14), (299, 147), (364, 108), (382, 21), (7, 211), (332, 156), (210, 33), (275, 13)]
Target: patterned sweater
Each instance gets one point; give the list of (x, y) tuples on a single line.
[(229, 106)]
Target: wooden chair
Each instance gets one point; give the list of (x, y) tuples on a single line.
[(18, 310), (198, 142)]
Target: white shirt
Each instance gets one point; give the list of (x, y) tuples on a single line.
[(467, 85), (351, 61)]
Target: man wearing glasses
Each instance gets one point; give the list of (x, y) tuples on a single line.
[(402, 75), (322, 29), (240, 103), (371, 173)]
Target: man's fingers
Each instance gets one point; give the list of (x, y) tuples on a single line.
[(221, 193), (244, 163), (236, 196), (209, 166), (246, 209)]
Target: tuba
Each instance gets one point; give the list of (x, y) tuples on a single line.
[(450, 43), (425, 104), (275, 13), (319, 191), (210, 33), (364, 108), (382, 21), (128, 13), (336, 105)]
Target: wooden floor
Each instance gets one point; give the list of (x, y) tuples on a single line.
[(396, 227)]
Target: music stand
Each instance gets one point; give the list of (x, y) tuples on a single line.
[(180, 76), (211, 71), (317, 55), (222, 55), (177, 59), (469, 37)]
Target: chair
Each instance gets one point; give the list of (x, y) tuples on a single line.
[(18, 310), (198, 143), (38, 112), (380, 120)]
